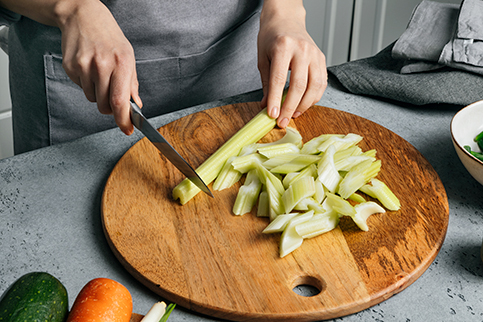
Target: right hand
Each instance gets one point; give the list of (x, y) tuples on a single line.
[(99, 58)]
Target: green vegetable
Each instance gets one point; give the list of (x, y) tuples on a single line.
[(247, 194), (381, 192), (36, 296), (363, 211), (253, 131), (318, 224), (166, 315), (479, 141), (299, 190), (477, 155), (227, 177)]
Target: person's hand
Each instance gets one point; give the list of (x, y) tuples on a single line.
[(283, 45), (99, 58)]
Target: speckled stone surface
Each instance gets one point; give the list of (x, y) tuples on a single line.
[(50, 214)]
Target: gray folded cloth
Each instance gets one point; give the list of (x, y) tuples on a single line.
[(442, 34), (380, 76), (437, 60)]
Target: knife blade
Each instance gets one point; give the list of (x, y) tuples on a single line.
[(142, 124)]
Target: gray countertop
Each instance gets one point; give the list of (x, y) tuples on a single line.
[(50, 214)]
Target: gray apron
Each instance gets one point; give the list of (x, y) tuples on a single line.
[(187, 53)]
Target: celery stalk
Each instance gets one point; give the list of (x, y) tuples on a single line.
[(358, 176), (279, 160), (263, 204), (357, 198), (327, 173), (309, 203), (342, 206), (347, 141), (247, 194), (247, 162), (319, 192), (278, 149), (299, 190), (291, 136), (381, 192), (297, 164), (274, 200), (251, 132), (310, 171), (290, 239), (228, 176), (317, 225), (365, 210), (311, 146), (278, 224)]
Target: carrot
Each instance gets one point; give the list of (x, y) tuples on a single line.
[(102, 300)]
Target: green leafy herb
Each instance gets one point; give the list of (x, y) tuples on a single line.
[(167, 313)]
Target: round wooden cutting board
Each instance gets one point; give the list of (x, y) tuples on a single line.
[(206, 259)]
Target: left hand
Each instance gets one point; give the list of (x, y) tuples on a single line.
[(284, 44)]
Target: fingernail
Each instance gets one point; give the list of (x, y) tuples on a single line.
[(296, 114), (274, 112), (284, 122)]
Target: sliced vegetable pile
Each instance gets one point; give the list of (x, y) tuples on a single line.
[(39, 296), (304, 189), (479, 141)]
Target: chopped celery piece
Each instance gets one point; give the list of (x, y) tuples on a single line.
[(350, 151), (290, 239), (381, 192), (247, 162), (228, 176), (358, 176), (367, 189), (342, 206), (274, 200), (309, 203), (363, 211), (371, 153), (266, 175), (310, 171), (319, 191), (248, 149), (357, 198), (278, 224), (250, 133), (318, 225), (348, 163), (247, 194), (347, 141), (279, 159), (327, 173), (263, 204), (299, 190), (311, 146), (297, 164), (278, 149), (289, 178), (291, 136)]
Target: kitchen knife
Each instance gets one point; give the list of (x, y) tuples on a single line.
[(142, 124)]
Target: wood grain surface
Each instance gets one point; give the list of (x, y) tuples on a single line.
[(204, 258)]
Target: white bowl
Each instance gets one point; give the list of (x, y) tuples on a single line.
[(465, 125)]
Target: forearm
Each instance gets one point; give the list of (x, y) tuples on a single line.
[(48, 12), (283, 9)]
